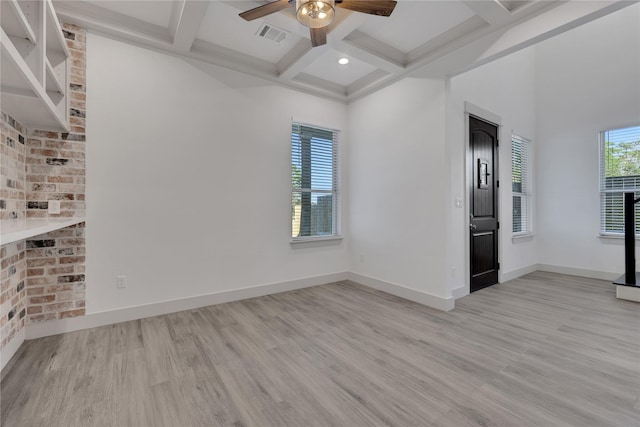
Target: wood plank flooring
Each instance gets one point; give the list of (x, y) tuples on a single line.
[(542, 350)]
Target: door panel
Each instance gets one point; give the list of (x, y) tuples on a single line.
[(483, 222)]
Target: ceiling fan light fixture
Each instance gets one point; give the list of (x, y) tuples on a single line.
[(315, 13)]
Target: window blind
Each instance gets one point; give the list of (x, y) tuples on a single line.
[(314, 197), (521, 184), (619, 173)]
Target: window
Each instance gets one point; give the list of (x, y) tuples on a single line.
[(521, 185), (314, 195), (619, 173)]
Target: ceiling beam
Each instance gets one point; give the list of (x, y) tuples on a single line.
[(185, 22), (492, 11), (112, 23), (299, 58), (367, 49)]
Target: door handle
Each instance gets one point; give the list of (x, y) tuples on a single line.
[(472, 226)]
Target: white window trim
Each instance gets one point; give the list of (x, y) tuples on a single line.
[(337, 202), (313, 239), (530, 232), (614, 236), (608, 235)]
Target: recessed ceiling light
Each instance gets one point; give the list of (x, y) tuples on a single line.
[(343, 61)]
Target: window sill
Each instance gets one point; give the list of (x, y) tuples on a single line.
[(302, 240), (614, 236), (522, 236)]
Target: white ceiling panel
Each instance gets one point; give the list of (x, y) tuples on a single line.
[(153, 12), (415, 22), (222, 26), (326, 67)]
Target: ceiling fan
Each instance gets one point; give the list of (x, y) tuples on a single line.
[(318, 14)]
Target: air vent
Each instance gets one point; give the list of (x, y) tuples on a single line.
[(270, 32)]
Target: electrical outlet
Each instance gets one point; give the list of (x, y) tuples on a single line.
[(121, 282), (54, 207)]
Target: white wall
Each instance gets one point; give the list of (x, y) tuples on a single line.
[(170, 207), (587, 80), (505, 88), (188, 179), (397, 190)]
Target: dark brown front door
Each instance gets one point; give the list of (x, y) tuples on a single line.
[(483, 218)]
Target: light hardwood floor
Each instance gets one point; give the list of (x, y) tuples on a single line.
[(545, 350)]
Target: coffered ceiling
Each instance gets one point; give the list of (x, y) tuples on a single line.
[(433, 37)]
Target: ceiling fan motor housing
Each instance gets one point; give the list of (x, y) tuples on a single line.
[(315, 13)]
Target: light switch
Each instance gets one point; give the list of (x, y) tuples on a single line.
[(459, 202)]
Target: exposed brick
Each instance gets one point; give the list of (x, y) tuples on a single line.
[(61, 270), (38, 318), (40, 243), (34, 309), (72, 313), (43, 187), (61, 179), (43, 152), (57, 161), (71, 278), (40, 262), (58, 306), (41, 281), (35, 272), (72, 242), (45, 134), (37, 205), (74, 136), (77, 113), (42, 299), (72, 260)]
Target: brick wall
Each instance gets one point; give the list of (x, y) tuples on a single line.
[(12, 173), (12, 291), (55, 161), (13, 269), (55, 275), (55, 164), (42, 278)]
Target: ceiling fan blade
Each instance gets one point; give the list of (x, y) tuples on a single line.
[(318, 36), (372, 7), (264, 10)]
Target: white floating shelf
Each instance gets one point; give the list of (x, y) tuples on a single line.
[(15, 22), (34, 62), (14, 230), (55, 39), (52, 83)]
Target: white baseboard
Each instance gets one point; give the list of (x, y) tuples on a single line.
[(514, 274), (434, 301), (10, 349), (93, 320), (581, 272), (460, 292), (629, 293)]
